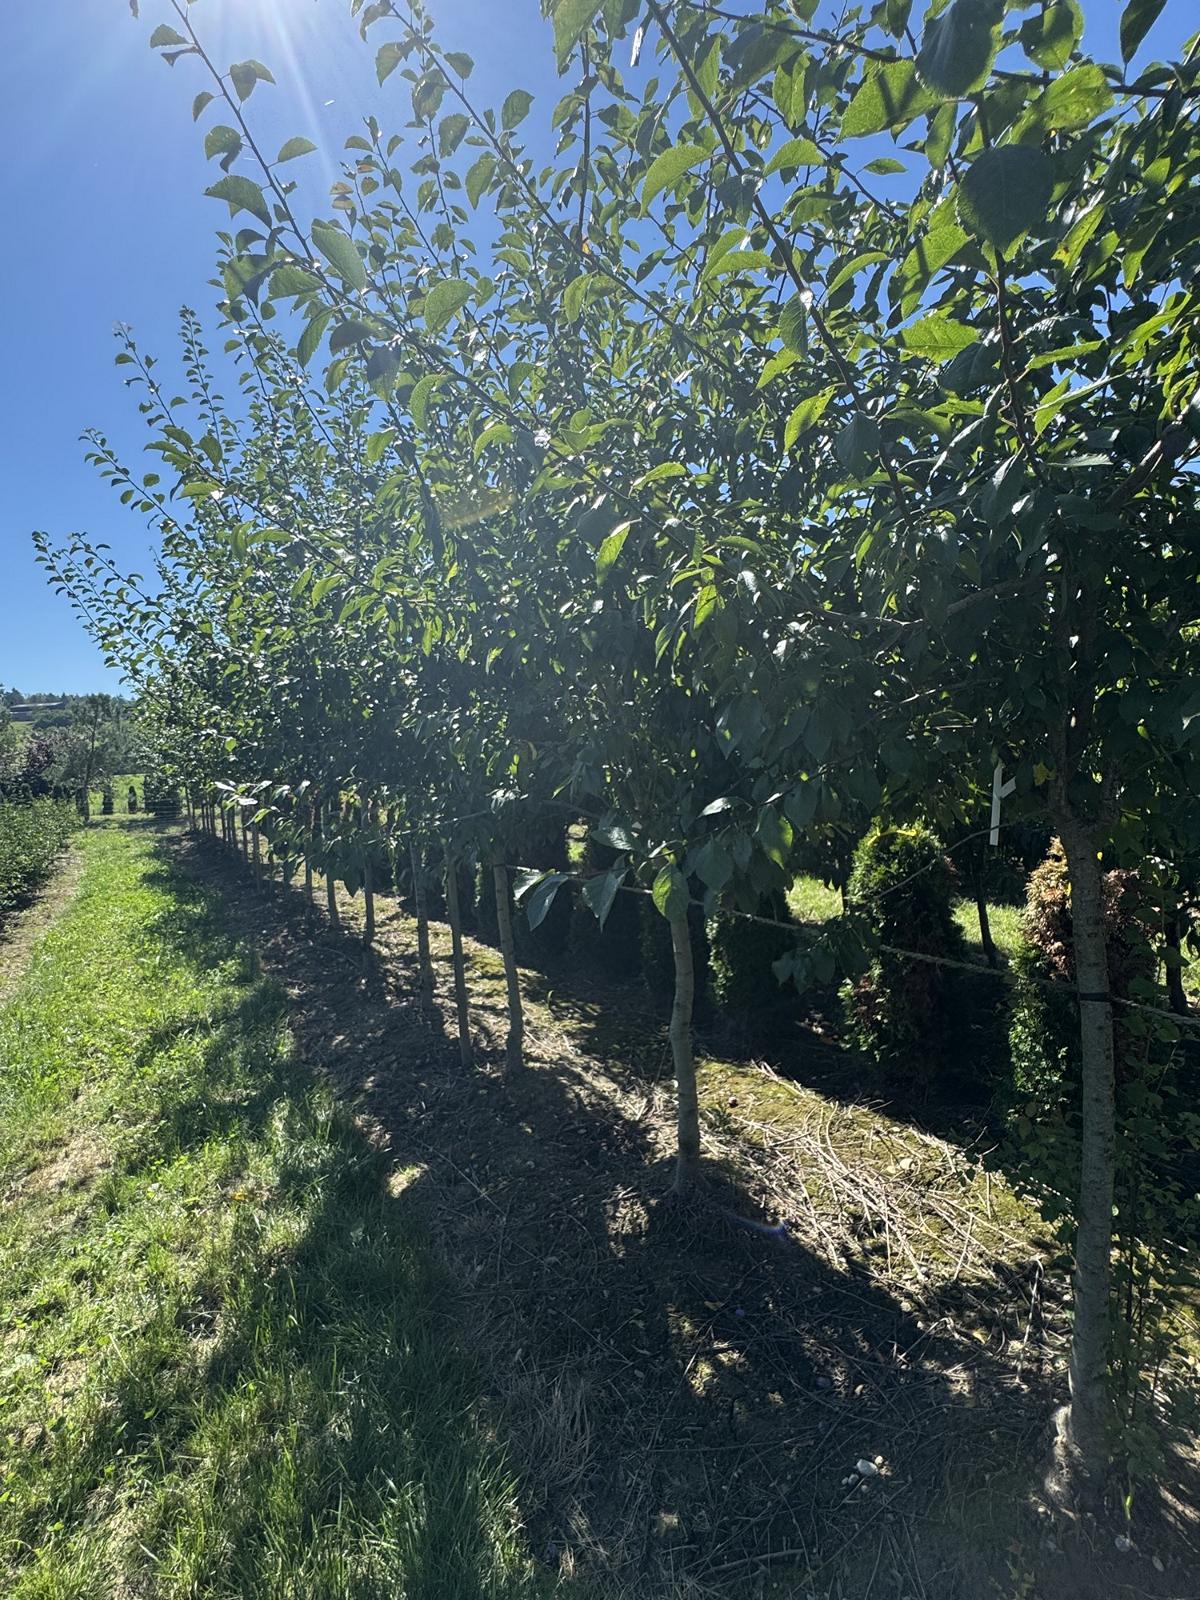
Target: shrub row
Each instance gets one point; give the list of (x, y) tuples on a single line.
[(32, 836)]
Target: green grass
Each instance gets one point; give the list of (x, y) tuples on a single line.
[(227, 1369), (814, 902), (120, 789), (1004, 921)]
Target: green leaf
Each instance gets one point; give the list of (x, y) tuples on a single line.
[(575, 296), (203, 99), (450, 132), (458, 61), (1005, 192), (222, 140), (774, 834), (927, 256), (1049, 37), (479, 177), (609, 550), (310, 338), (1071, 102), (389, 56), (777, 364), (347, 334), (793, 324), (515, 108), (670, 894), (857, 446), (855, 265), (739, 261), (713, 865), (806, 415), (889, 96), (664, 469), (884, 165), (242, 195), (296, 147), (571, 19), (443, 300), (600, 892), (245, 74), (1138, 17), (795, 153), (163, 37), (938, 337), (959, 47), (338, 248), (538, 904), (418, 401), (896, 15), (667, 169)]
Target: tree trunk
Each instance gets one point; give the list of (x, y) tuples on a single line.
[(985, 926), (460, 971), (1082, 1448), (1176, 993), (369, 815), (255, 860), (421, 909), (514, 1049), (368, 901), (331, 906), (245, 837), (687, 1114)]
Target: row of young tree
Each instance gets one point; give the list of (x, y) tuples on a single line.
[(811, 434)]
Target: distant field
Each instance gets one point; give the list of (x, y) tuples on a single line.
[(121, 794)]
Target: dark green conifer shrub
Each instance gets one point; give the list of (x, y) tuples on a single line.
[(905, 1014), (741, 952)]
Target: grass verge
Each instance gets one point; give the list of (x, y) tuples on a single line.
[(227, 1369)]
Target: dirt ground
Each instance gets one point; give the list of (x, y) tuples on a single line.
[(857, 1405)]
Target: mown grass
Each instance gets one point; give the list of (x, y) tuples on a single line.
[(814, 902), (120, 789), (227, 1369)]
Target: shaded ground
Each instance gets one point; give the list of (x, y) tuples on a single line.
[(691, 1407)]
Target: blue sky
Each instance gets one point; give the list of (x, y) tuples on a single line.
[(105, 175)]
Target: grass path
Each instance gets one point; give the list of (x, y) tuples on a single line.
[(226, 1369)]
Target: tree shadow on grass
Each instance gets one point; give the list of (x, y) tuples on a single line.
[(684, 1401)]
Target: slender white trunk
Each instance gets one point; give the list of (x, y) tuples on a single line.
[(514, 1049), (421, 909), (330, 884), (1083, 1442), (368, 902), (371, 816), (687, 1113), (460, 970)]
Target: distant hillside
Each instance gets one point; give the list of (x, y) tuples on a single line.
[(50, 710)]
